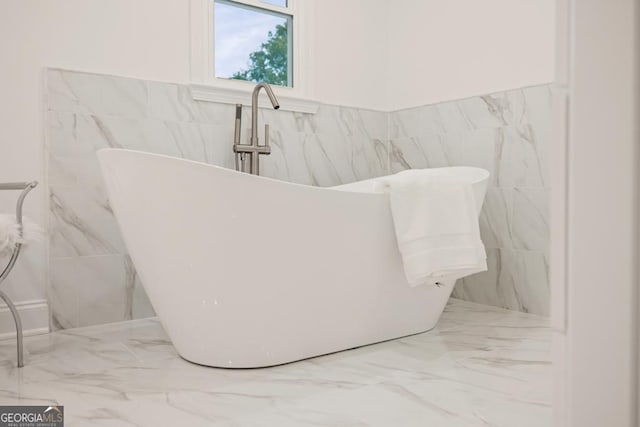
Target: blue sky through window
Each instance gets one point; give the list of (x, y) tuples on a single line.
[(238, 32)]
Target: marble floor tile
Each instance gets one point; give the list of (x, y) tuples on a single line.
[(480, 366)]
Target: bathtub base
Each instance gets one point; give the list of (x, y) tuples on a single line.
[(299, 341), (306, 358)]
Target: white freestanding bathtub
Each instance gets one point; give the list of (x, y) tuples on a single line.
[(246, 271)]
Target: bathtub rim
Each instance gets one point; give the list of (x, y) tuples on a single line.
[(483, 174)]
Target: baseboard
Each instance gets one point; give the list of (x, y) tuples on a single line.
[(34, 316)]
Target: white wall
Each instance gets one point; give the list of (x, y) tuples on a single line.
[(349, 54), (450, 49)]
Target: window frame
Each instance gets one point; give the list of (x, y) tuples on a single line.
[(274, 11), (206, 87)]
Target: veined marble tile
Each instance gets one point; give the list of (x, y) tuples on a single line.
[(218, 140), (480, 150), (406, 153), (491, 370), (320, 158), (406, 123), (516, 280), (216, 113), (531, 219), (29, 275), (376, 405), (192, 140), (349, 122), (519, 160), (287, 159), (82, 223), (438, 118), (63, 299), (428, 150), (463, 402), (74, 135), (506, 108), (532, 281), (510, 108), (53, 355), (103, 287), (459, 311), (283, 121), (144, 338), (491, 111), (80, 136), (141, 307), (452, 117), (149, 135), (368, 157), (442, 150), (492, 287), (542, 135), (75, 172), (334, 159), (172, 102), (496, 218), (85, 93), (223, 115)]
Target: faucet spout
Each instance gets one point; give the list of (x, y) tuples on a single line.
[(270, 94)]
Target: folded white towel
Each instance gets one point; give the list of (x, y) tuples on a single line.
[(436, 223), (10, 234)]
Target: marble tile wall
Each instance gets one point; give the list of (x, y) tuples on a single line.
[(92, 279), (507, 133)]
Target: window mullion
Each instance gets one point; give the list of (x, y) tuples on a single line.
[(261, 5)]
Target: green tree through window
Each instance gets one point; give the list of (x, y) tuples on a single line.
[(270, 63)]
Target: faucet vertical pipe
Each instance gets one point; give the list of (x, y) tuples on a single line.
[(255, 168), (236, 137)]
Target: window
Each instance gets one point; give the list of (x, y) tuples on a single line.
[(252, 43), (252, 40)]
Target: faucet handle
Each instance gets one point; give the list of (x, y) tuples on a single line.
[(266, 139)]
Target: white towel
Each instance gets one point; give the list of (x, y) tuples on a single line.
[(436, 223), (10, 234)]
